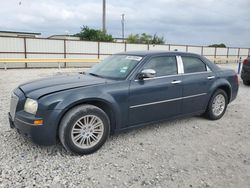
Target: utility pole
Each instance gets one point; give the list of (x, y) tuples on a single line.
[(104, 16), (123, 23)]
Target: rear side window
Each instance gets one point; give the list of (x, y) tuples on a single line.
[(163, 66), (193, 64)]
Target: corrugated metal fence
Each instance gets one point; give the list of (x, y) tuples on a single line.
[(16, 47)]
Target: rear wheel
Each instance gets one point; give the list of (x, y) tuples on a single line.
[(217, 105), (84, 129)]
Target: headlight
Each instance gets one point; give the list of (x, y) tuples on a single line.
[(31, 106)]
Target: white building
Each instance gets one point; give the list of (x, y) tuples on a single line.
[(19, 34)]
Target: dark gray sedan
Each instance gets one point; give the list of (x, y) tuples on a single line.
[(126, 90)]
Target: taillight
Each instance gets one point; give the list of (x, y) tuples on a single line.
[(245, 61)]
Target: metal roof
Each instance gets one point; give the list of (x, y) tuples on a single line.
[(21, 32)]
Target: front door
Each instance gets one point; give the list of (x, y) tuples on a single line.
[(157, 98)]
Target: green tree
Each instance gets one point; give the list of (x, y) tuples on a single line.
[(93, 35), (133, 38), (145, 39), (158, 40), (218, 45)]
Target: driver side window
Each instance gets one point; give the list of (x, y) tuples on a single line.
[(164, 65)]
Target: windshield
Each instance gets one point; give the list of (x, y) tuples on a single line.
[(115, 66)]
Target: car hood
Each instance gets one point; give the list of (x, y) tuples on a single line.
[(38, 88)]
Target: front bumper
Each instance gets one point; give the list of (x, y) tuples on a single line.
[(39, 134)]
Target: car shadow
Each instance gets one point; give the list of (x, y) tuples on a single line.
[(30, 148)]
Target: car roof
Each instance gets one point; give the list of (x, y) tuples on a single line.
[(153, 52), (176, 53)]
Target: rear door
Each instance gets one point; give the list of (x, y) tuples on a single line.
[(197, 80), (156, 98)]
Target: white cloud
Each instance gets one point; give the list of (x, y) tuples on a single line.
[(183, 21)]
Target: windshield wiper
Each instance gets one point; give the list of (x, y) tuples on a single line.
[(93, 74)]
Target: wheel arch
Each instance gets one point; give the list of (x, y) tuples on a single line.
[(227, 89), (224, 85), (100, 103)]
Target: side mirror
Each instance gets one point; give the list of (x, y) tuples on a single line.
[(147, 73)]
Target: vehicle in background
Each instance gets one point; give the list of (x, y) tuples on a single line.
[(126, 90), (245, 72)]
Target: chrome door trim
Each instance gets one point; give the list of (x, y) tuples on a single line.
[(180, 65), (174, 75), (208, 69), (191, 96), (193, 73), (159, 77), (165, 101)]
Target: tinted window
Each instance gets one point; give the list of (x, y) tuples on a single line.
[(162, 65), (193, 64)]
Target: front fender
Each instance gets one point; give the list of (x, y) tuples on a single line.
[(64, 101)]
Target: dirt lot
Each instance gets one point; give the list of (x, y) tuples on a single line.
[(192, 152)]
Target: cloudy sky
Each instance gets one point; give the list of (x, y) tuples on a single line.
[(198, 22)]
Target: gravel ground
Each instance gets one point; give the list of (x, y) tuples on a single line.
[(192, 152)]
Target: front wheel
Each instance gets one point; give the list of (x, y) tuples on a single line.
[(217, 105), (84, 129)]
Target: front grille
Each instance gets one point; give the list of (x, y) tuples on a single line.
[(13, 105)]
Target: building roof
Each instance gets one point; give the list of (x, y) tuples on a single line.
[(61, 36), (71, 37), (20, 32)]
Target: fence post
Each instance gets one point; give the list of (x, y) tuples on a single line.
[(5, 66), (186, 48), (169, 47), (227, 54), (201, 50), (215, 53), (98, 50), (25, 50), (125, 46), (64, 52)]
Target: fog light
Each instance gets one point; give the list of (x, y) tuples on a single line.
[(38, 122)]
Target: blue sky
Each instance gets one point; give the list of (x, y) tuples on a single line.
[(197, 22)]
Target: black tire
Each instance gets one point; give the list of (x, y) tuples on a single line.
[(69, 121), (209, 112), (246, 82)]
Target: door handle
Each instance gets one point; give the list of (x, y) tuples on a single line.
[(176, 82), (210, 77)]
